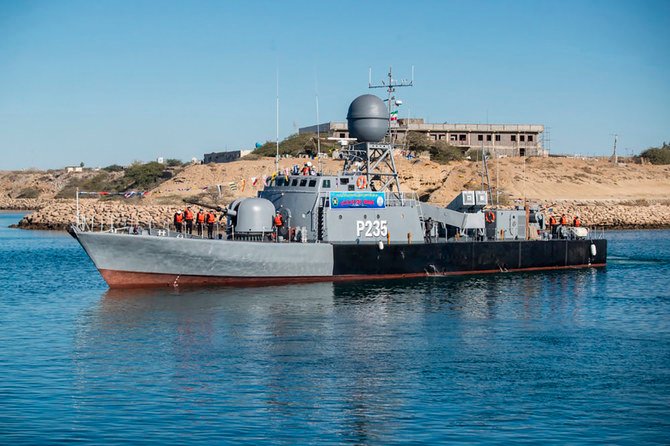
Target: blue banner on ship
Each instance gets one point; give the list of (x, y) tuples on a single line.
[(346, 200)]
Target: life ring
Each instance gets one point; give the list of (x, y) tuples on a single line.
[(361, 182), (490, 216)]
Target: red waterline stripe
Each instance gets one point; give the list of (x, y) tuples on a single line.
[(129, 279)]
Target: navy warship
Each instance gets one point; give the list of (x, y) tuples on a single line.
[(356, 224)]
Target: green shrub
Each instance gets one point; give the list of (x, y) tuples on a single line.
[(295, 145), (29, 192), (113, 168), (440, 151), (142, 176), (173, 162), (97, 183), (658, 155)]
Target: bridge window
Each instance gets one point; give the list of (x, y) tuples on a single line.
[(325, 184), (280, 181), (344, 180), (294, 182), (302, 183), (312, 183)]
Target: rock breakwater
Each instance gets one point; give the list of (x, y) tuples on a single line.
[(59, 214)]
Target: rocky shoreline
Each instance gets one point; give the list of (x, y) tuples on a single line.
[(60, 214)]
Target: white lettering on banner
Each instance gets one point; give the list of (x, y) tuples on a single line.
[(371, 228)]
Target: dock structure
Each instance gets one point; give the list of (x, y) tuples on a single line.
[(504, 139)]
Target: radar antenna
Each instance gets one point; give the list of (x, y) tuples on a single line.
[(374, 160)]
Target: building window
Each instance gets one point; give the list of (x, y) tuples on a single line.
[(461, 137), (530, 138), (343, 135), (453, 137), (522, 152), (497, 137), (513, 138), (480, 137), (488, 137), (522, 138)]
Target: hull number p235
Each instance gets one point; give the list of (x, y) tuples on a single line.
[(371, 228)]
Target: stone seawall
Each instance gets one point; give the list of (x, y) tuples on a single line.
[(59, 214)]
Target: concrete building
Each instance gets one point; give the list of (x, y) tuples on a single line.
[(505, 139)]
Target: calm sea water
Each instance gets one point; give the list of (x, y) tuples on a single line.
[(559, 357)]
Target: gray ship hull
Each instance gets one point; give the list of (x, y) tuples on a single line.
[(127, 261), (144, 260)]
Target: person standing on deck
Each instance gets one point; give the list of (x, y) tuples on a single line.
[(188, 216), (178, 220), (200, 221), (210, 219)]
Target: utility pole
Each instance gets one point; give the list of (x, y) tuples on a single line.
[(615, 159)]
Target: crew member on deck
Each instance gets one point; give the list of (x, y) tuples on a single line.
[(278, 222), (552, 224), (178, 220), (429, 230), (576, 222), (188, 216), (210, 219), (200, 221)]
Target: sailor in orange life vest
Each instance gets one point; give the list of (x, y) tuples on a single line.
[(278, 222), (210, 219), (564, 220), (178, 220), (576, 222), (188, 216), (200, 221), (552, 224)]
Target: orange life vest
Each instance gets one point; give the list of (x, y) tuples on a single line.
[(552, 221), (178, 218), (188, 215), (201, 217), (576, 222), (564, 220), (211, 218), (278, 220)]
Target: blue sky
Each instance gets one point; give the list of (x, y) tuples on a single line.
[(115, 81)]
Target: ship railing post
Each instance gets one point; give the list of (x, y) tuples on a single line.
[(77, 200)]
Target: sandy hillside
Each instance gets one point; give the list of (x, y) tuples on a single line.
[(546, 179)]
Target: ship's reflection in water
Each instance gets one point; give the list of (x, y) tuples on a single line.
[(361, 361)]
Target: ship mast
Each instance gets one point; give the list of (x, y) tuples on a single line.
[(374, 160)]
